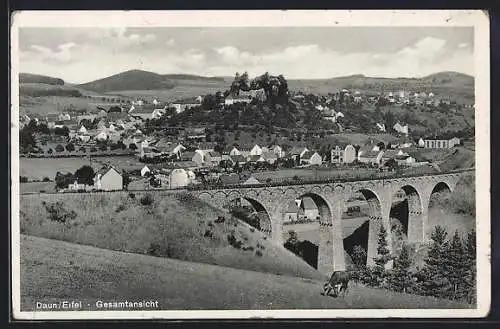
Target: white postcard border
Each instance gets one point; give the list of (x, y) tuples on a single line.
[(477, 19)]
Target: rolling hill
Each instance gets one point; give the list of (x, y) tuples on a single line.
[(37, 78), (129, 80)]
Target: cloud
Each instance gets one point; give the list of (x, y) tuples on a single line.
[(63, 54), (170, 42), (109, 51)]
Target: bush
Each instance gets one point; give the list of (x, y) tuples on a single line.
[(23, 179), (58, 213), (131, 195), (46, 179), (233, 241), (158, 250), (120, 208), (258, 253), (147, 200)]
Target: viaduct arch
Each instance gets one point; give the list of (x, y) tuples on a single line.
[(330, 198)]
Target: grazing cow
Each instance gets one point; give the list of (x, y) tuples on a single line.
[(338, 282)]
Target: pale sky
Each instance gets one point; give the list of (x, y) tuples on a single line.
[(79, 55)]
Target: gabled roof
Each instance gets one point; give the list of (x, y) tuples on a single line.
[(104, 170), (251, 180), (308, 154), (214, 154), (296, 150), (292, 207), (308, 203), (188, 156)]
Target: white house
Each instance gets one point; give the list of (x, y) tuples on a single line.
[(401, 129), (145, 170), (251, 181), (381, 127), (421, 143), (343, 155), (308, 208), (311, 158), (256, 150), (82, 130), (108, 179), (278, 150), (101, 136)]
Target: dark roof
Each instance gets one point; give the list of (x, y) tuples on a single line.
[(308, 155), (254, 157), (105, 169), (238, 158), (229, 179), (187, 156), (214, 154)]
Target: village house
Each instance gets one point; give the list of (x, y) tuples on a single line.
[(108, 179), (237, 159), (371, 157), (270, 157), (251, 181), (291, 212), (341, 155), (145, 171), (278, 150), (241, 98), (255, 159), (441, 143), (212, 158), (147, 111), (181, 105), (195, 133), (77, 186), (402, 129), (311, 158), (308, 208), (297, 152)]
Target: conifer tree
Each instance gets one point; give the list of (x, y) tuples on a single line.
[(470, 273), (433, 279), (401, 278), (383, 257), (455, 265)]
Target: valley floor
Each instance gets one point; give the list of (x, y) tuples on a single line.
[(53, 270)]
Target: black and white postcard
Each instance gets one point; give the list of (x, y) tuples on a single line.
[(250, 164)]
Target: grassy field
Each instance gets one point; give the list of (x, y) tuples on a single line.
[(36, 187), (38, 168), (52, 271), (173, 227)]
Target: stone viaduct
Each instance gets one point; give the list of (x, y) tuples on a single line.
[(330, 198)]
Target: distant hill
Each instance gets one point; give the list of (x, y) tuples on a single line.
[(192, 77), (130, 80), (37, 78)]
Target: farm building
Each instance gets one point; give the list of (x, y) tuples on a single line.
[(108, 179)]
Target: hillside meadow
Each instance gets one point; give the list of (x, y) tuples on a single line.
[(54, 270), (173, 226)]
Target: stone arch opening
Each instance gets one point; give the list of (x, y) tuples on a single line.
[(361, 219), (407, 222), (439, 209), (301, 225), (252, 212)]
